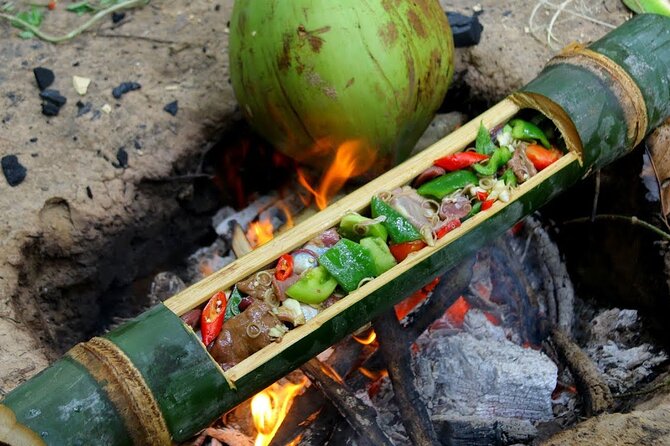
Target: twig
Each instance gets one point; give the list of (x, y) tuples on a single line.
[(80, 29), (147, 38), (653, 389), (595, 392), (398, 358), (596, 196), (633, 220), (362, 418)]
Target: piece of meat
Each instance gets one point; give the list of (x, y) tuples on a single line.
[(244, 334), (454, 208), (520, 164), (259, 286), (280, 286), (417, 210), (431, 173), (326, 239), (192, 318)]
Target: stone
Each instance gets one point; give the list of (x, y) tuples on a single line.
[(13, 170)]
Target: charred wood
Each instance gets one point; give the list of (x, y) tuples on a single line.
[(361, 417)]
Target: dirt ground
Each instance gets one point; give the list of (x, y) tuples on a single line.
[(84, 222)]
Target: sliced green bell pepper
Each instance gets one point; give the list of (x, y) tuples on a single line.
[(476, 209), (509, 178), (381, 254), (499, 158), (354, 227), (527, 131), (449, 183), (399, 228), (483, 143), (349, 263), (314, 287)]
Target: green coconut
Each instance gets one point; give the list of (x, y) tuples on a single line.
[(310, 75)]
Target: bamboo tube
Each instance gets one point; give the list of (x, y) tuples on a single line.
[(152, 382)]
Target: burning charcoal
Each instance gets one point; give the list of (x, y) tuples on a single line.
[(122, 158), (467, 30), (52, 101), (44, 77), (14, 172), (125, 87), (172, 108)]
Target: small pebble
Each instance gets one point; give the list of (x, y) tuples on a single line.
[(89, 192), (172, 108), (106, 108), (80, 84), (118, 16), (125, 87), (44, 77), (33, 140), (14, 172), (122, 158), (52, 101)]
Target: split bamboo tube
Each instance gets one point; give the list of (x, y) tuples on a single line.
[(151, 381)]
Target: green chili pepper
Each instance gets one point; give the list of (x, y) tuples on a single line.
[(483, 143), (349, 263), (381, 254), (233, 305), (442, 186), (497, 160), (509, 178), (399, 228), (314, 287), (527, 131), (354, 227), (476, 209)]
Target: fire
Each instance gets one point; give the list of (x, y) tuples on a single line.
[(369, 339), (269, 408), (372, 375), (351, 159), (457, 311), (260, 232)]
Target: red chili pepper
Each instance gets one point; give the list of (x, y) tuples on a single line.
[(284, 267), (460, 160), (402, 250), (482, 196), (487, 204), (541, 157), (444, 230), (51, 5), (211, 320)]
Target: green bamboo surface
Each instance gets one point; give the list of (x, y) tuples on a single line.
[(66, 406)]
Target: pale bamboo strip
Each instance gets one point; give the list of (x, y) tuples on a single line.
[(261, 357), (240, 269)]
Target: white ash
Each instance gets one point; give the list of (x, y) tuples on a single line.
[(208, 260), (615, 347), (483, 374), (245, 216)]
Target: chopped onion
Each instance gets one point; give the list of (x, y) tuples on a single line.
[(304, 259)]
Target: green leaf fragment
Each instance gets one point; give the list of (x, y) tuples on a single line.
[(233, 306)]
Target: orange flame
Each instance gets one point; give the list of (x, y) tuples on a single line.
[(351, 159), (374, 376), (269, 408), (260, 232), (332, 373), (369, 339), (287, 212)]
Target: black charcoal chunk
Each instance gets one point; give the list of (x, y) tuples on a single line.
[(83, 108), (52, 101), (467, 30), (122, 158), (44, 77), (118, 16), (172, 108), (14, 172), (125, 87)]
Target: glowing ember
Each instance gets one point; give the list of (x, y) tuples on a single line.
[(269, 408), (408, 305), (260, 232), (374, 376), (457, 311), (351, 159), (369, 339)]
